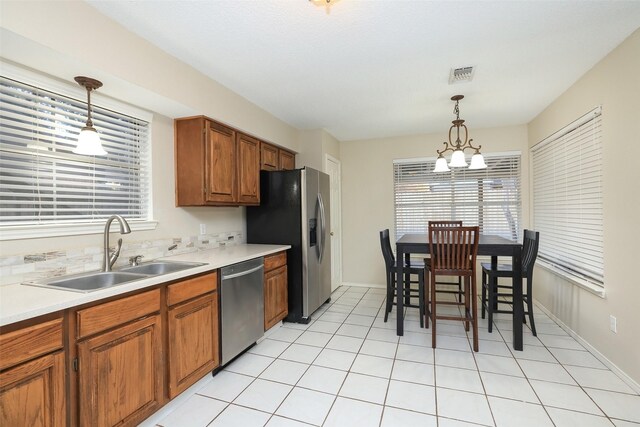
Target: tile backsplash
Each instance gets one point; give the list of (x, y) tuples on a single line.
[(39, 265)]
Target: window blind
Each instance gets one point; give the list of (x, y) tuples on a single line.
[(489, 198), (43, 182), (567, 199)]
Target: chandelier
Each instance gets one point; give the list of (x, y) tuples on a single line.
[(458, 147)]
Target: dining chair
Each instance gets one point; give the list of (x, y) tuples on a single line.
[(491, 295), (415, 268), (454, 251), (447, 285)]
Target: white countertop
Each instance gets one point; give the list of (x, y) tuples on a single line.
[(21, 302)]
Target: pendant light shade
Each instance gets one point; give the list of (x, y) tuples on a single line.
[(457, 160), (477, 161), (441, 165), (89, 141)]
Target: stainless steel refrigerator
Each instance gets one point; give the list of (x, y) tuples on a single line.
[(294, 210)]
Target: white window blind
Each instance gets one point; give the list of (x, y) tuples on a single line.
[(489, 198), (42, 182), (567, 198)]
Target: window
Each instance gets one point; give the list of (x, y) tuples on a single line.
[(567, 199), (42, 183), (489, 198)]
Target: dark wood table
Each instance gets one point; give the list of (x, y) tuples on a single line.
[(493, 246)]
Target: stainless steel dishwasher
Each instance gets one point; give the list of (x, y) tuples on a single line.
[(242, 306)]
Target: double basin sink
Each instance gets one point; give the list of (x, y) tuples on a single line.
[(88, 282)]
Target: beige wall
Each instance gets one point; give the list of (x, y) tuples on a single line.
[(314, 146), (613, 83), (68, 38), (367, 190)]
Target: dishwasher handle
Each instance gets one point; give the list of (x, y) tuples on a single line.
[(242, 273)]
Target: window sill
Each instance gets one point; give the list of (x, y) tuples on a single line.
[(587, 286), (56, 230)]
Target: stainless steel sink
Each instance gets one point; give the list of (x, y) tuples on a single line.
[(161, 267), (89, 282)]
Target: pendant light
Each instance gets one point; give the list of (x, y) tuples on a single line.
[(89, 140), (457, 147)]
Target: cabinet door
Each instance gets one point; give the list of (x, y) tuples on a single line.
[(33, 394), (121, 374), (275, 296), (220, 174), (287, 160), (268, 157), (193, 342), (248, 170)]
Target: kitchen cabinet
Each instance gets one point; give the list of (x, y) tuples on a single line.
[(275, 289), (248, 170), (268, 157), (120, 370), (193, 344), (273, 158), (215, 164), (32, 376), (287, 160)]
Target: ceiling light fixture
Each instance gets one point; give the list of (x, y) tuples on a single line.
[(458, 147), (89, 140)]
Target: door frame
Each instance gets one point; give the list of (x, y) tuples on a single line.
[(329, 158)]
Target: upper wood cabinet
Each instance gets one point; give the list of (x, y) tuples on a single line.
[(273, 158), (286, 160), (32, 382), (268, 157), (215, 164), (248, 170)]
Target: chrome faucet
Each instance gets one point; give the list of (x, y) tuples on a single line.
[(110, 259)]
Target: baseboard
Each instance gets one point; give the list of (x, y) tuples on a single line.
[(364, 285), (601, 357)]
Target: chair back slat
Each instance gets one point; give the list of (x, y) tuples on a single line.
[(445, 224), (387, 252), (453, 249), (530, 245)]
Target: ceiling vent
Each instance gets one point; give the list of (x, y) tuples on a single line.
[(461, 75)]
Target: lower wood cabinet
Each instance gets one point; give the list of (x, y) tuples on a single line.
[(193, 342), (33, 394), (120, 374), (276, 300)]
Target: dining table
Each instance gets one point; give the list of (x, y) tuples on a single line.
[(488, 245)]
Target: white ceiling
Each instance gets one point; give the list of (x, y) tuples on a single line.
[(379, 68)]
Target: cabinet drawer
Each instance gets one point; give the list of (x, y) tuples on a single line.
[(28, 343), (108, 315), (275, 261), (190, 288)]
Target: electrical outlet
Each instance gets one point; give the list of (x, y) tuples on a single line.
[(203, 228), (613, 324)]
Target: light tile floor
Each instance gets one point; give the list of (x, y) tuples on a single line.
[(348, 368)]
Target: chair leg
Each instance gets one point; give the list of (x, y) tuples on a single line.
[(474, 319), (389, 304), (467, 302), (427, 311), (484, 293), (530, 305), (421, 297), (433, 310), (490, 304), (459, 289)]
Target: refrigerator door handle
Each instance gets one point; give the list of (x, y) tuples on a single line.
[(323, 229)]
